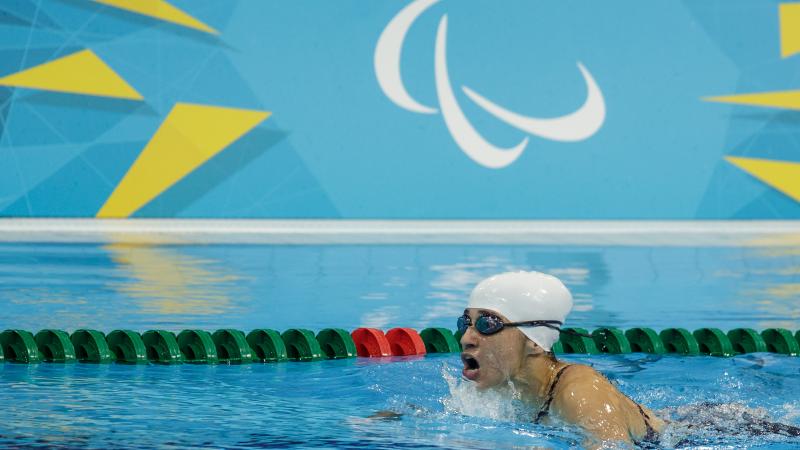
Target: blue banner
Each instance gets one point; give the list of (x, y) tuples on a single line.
[(430, 109)]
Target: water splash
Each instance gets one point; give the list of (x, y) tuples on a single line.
[(708, 423), (504, 404)]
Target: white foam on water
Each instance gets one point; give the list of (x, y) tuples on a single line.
[(504, 403), (720, 423), (791, 412)]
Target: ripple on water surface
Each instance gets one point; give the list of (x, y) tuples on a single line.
[(328, 404)]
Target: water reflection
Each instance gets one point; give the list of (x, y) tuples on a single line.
[(777, 299), (140, 286), (165, 281), (786, 244), (452, 284), (586, 274)]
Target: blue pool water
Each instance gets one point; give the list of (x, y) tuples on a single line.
[(327, 404)]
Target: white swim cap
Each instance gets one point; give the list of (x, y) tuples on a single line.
[(525, 296)]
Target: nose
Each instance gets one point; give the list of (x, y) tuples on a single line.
[(469, 339)]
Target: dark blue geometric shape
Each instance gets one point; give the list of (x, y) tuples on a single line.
[(110, 23), (11, 61), (734, 193), (5, 106), (726, 24), (27, 12), (728, 189), (202, 86), (81, 118), (260, 165), (770, 205), (6, 18), (81, 187)]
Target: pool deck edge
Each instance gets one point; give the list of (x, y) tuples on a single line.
[(388, 232)]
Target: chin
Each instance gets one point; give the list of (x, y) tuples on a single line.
[(488, 383)]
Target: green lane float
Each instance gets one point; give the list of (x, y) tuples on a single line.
[(336, 343), (572, 343), (712, 341), (161, 347), (232, 346), (746, 340), (644, 340), (19, 346), (91, 347), (780, 340), (440, 340), (267, 346), (611, 340), (301, 345), (127, 347), (679, 340), (55, 346), (197, 347)]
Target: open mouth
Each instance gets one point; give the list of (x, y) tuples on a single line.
[(471, 366)]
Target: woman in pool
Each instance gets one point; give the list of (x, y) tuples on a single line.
[(510, 325)]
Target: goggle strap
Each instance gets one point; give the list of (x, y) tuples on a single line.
[(552, 324), (575, 333)]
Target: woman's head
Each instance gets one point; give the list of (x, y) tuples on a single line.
[(495, 344), (526, 296)]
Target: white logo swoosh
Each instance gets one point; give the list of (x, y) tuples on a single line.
[(473, 144), (387, 57), (577, 126)]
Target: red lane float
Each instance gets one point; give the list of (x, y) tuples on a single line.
[(405, 342), (371, 342)]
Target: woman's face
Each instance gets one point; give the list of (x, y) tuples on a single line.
[(491, 360)]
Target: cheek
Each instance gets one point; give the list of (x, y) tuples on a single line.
[(501, 363), (507, 352), (510, 363)]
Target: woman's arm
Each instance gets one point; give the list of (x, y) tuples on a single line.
[(587, 399)]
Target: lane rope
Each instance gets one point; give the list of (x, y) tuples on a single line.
[(231, 346)]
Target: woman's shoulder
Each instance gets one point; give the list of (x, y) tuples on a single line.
[(582, 384), (580, 373)]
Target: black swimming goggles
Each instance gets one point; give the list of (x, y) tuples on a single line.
[(490, 324)]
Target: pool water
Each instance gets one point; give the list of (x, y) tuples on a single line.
[(328, 404)]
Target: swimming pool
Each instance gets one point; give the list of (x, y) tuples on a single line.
[(326, 404)]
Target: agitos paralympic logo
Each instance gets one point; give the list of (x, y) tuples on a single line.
[(576, 126)]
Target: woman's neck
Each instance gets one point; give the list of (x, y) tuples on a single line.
[(534, 378)]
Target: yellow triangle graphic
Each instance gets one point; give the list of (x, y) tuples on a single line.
[(79, 73), (781, 175), (790, 28), (780, 99), (159, 9), (188, 137)]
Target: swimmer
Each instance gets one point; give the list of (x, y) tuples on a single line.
[(510, 325)]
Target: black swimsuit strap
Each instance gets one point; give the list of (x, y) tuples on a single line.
[(650, 434), (546, 406)]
